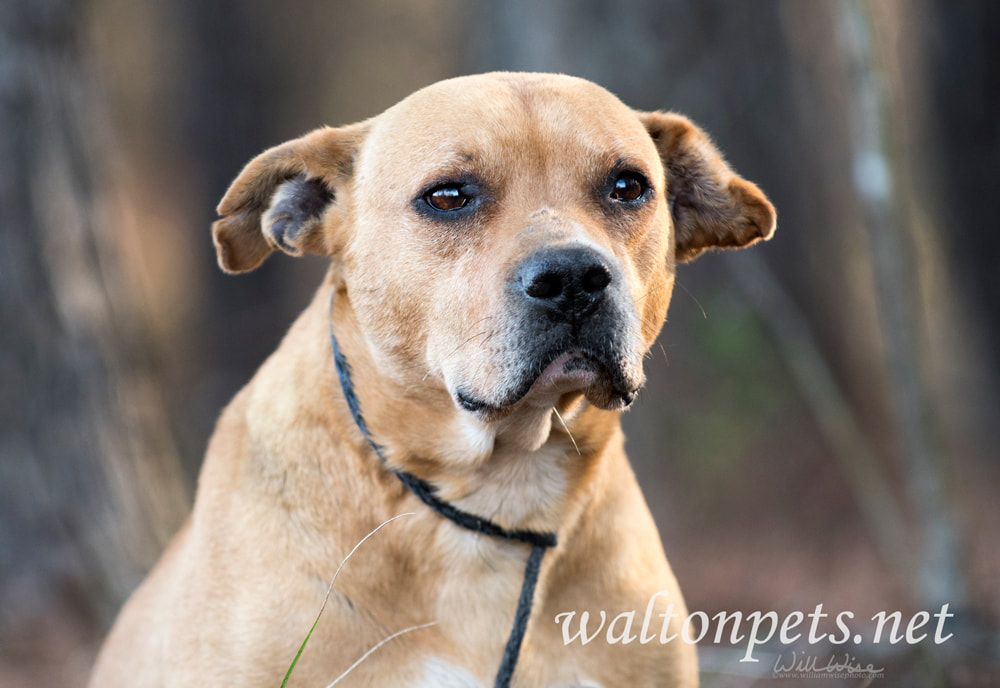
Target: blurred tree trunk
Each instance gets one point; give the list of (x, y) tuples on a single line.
[(880, 164), (90, 487), (962, 67)]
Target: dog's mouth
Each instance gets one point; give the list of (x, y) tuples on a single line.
[(604, 385)]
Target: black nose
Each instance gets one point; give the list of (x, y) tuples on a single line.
[(569, 282)]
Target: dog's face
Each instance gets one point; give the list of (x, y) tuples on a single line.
[(510, 238)]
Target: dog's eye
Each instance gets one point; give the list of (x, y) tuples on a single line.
[(447, 197), (629, 186)]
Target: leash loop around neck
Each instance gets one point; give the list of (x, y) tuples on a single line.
[(539, 542)]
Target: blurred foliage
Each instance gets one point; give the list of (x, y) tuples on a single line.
[(745, 389)]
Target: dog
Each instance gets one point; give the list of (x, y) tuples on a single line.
[(502, 254)]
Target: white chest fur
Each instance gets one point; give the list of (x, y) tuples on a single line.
[(440, 674)]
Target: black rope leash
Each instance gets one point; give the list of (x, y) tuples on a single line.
[(539, 541)]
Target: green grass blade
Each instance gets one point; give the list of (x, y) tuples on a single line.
[(288, 674), (291, 667)]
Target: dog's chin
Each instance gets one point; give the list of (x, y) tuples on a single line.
[(568, 374)]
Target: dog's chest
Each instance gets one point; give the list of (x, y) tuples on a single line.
[(440, 674)]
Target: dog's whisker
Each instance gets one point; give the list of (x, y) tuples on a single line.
[(693, 298), (464, 342)]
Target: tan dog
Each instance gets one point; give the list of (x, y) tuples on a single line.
[(503, 250)]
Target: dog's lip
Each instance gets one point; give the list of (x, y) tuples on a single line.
[(475, 405), (570, 371)]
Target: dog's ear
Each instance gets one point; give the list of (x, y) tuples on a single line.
[(711, 206), (281, 198)]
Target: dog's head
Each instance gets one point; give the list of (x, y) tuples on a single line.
[(509, 238)]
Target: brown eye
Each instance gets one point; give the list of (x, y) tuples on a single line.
[(446, 198), (628, 187)]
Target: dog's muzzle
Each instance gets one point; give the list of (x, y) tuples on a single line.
[(572, 326)]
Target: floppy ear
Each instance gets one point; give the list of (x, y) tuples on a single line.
[(280, 199), (711, 206)]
